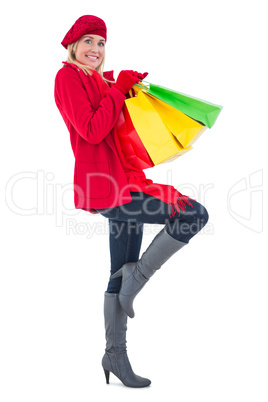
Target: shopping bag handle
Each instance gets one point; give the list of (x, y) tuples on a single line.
[(141, 85)]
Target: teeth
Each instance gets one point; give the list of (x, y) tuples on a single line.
[(92, 57)]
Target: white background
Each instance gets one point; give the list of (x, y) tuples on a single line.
[(200, 331)]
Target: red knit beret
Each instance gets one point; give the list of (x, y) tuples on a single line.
[(85, 25)]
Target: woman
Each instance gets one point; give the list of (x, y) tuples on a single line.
[(105, 182)]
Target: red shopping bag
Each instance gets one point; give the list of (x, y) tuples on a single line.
[(131, 144)]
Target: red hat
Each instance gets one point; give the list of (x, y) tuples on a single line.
[(85, 25)]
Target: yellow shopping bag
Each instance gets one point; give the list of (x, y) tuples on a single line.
[(157, 138), (185, 129)]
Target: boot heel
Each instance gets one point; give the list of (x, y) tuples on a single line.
[(117, 274), (107, 375)]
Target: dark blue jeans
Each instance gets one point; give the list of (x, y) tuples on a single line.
[(126, 228)]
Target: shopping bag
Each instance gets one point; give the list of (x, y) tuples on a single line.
[(185, 129), (157, 138), (198, 109), (132, 147)]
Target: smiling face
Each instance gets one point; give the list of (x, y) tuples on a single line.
[(90, 50)]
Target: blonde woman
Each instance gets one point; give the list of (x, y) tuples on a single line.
[(105, 182)]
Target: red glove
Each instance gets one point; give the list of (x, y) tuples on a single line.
[(125, 81), (139, 75)]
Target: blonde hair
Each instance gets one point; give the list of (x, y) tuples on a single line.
[(86, 69)]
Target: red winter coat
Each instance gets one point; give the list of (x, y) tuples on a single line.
[(104, 175), (99, 178)]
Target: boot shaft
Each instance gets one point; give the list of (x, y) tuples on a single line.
[(115, 323), (115, 359), (159, 251)]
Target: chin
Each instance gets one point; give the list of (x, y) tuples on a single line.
[(91, 65)]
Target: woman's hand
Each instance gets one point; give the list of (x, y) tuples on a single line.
[(126, 79), (139, 75)]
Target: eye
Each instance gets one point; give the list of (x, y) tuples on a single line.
[(101, 43), (88, 41)]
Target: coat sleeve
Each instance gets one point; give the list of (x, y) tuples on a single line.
[(72, 99)]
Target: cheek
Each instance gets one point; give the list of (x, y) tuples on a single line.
[(81, 48), (78, 50)]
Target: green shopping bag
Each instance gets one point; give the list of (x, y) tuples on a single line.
[(198, 109)]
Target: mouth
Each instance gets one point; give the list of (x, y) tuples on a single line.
[(92, 57)]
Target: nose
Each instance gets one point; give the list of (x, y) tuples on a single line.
[(94, 48)]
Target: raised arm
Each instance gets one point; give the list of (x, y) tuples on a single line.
[(73, 102)]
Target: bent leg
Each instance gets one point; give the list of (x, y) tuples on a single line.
[(182, 226), (126, 228), (189, 223)]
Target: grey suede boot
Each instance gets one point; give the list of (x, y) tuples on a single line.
[(115, 359), (136, 274)]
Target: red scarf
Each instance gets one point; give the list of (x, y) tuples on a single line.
[(136, 178)]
